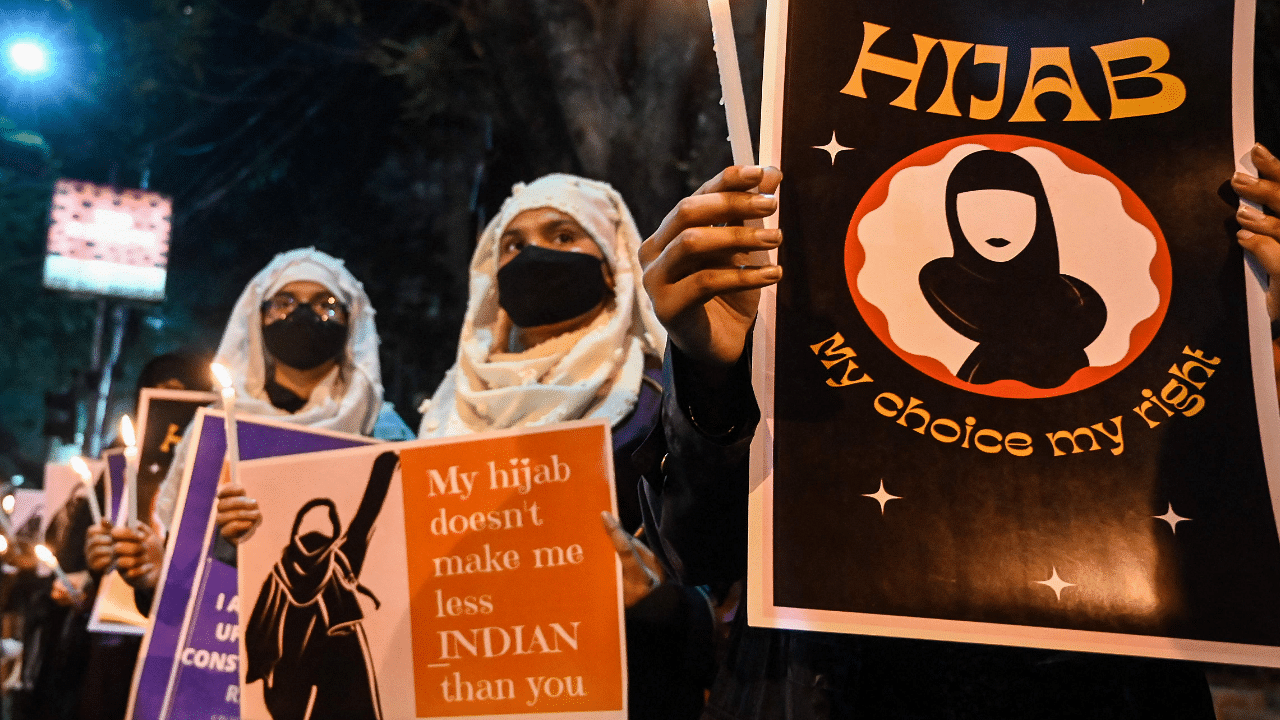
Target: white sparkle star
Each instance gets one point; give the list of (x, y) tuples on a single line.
[(1172, 518), (882, 496), (1057, 583), (833, 148), (155, 468)]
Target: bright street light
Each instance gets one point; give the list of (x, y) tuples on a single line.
[(28, 57)]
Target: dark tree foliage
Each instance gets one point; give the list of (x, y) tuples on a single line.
[(385, 132)]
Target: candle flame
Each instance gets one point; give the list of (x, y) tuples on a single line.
[(46, 556), (81, 468), (222, 374), (126, 432), (7, 503)]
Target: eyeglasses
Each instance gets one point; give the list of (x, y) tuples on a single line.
[(325, 305)]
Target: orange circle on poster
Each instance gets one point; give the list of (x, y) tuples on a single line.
[(1143, 330)]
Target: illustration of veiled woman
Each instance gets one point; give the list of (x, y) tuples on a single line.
[(305, 638), (1003, 288)]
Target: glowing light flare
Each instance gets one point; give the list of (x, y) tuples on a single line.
[(222, 374), (82, 469), (7, 504), (126, 432), (46, 556), (4, 544), (29, 57)]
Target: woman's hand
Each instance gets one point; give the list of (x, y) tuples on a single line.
[(97, 547), (238, 514), (1260, 233), (704, 271), (139, 553), (641, 572), (72, 597)]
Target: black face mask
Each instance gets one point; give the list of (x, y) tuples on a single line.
[(543, 287), (302, 340)]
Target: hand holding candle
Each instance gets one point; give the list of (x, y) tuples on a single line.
[(238, 515), (82, 469), (47, 557), (139, 555), (131, 471), (99, 551)]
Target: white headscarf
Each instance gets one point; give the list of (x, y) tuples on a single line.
[(347, 400), (590, 373), (350, 397)]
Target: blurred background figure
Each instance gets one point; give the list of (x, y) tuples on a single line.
[(301, 346)]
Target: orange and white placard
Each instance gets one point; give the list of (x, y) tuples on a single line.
[(453, 578)]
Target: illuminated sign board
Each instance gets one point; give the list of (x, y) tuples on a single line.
[(108, 241)]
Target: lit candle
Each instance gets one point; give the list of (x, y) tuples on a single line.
[(735, 104), (229, 413), (82, 469), (46, 556), (7, 505), (130, 471)]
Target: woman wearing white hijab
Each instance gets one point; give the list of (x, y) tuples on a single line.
[(593, 333), (301, 347), (558, 328)]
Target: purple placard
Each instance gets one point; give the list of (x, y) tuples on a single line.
[(207, 675), (115, 481), (170, 682)]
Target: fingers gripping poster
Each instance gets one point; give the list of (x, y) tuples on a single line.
[(1010, 389), (454, 578)]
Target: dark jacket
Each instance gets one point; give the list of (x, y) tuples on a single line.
[(670, 646)]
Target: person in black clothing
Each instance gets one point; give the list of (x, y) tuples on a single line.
[(1031, 323), (105, 691), (55, 637), (695, 505), (302, 347), (305, 640)]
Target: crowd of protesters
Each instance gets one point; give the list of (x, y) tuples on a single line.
[(572, 314)]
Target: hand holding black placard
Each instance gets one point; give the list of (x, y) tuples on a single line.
[(1260, 233), (238, 514), (703, 281)]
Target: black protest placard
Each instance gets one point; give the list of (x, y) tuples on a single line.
[(1013, 398), (163, 416)]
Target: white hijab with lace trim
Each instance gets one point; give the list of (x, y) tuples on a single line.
[(347, 400), (594, 372)]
